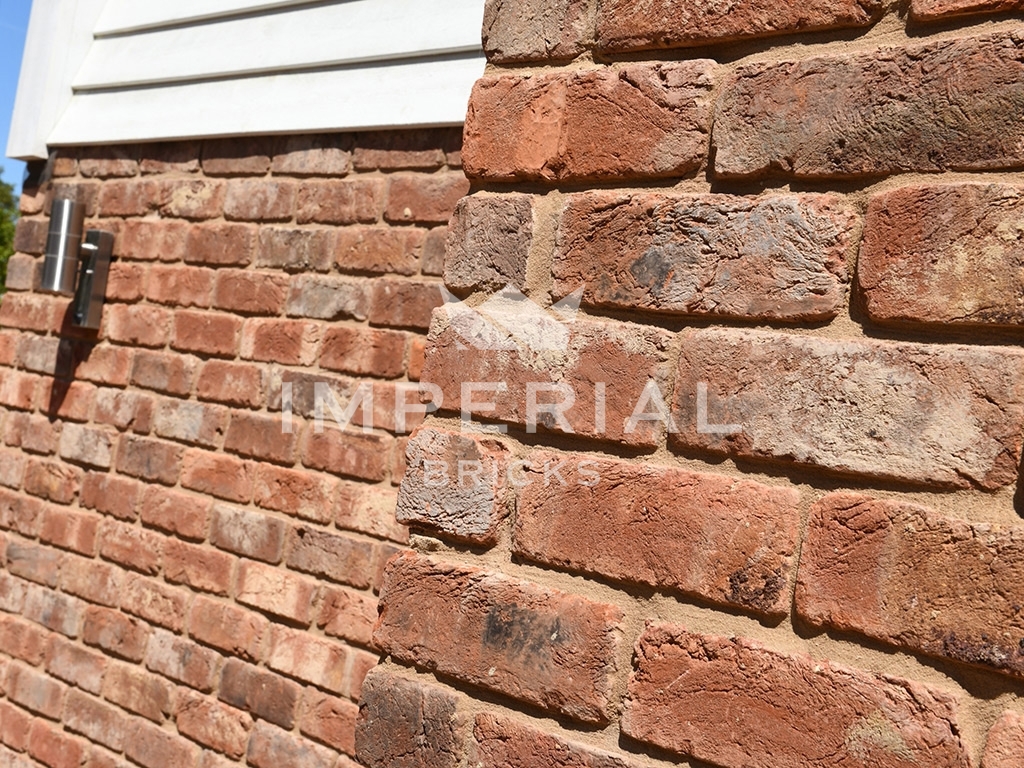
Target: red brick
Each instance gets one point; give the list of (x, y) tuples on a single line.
[(222, 476), (150, 240), (96, 721), (363, 662), (504, 743), (214, 725), (115, 633), (259, 200), (71, 401), (165, 372), (934, 10), (425, 198), (316, 155), (1005, 744), (191, 198), (366, 352), (131, 547), (285, 342), (693, 254), (20, 513), (717, 699), (489, 239), (12, 468), (33, 434), (15, 726), (23, 272), (167, 156), (127, 198), (8, 347), (939, 415), (153, 747), (370, 510), (417, 357), (327, 555), (297, 493), (182, 661), (103, 364), (246, 533), (585, 353), (30, 236), (294, 250), (348, 615), (349, 453), (12, 598), (55, 611), (30, 312), (197, 567), (93, 581), (87, 446), (17, 390), (229, 628), (238, 384), (190, 422), (33, 562), (141, 326), (75, 665), (149, 459), (54, 748), (70, 529), (34, 691), (434, 247), (180, 286), (403, 304), (469, 623), (139, 692), (110, 495), (403, 722), (528, 30), (109, 161), (83, 192), (124, 410), (257, 293), (126, 282), (346, 201), (378, 250), (220, 244), (769, 116), (271, 748), (264, 694), (641, 121), (23, 640), (330, 720), (940, 600), (297, 654), (52, 480), (183, 514), (38, 353), (155, 602), (327, 298), (416, 149), (260, 437), (236, 156), (207, 333), (944, 254), (275, 591)]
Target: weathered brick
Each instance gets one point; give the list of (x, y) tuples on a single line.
[(109, 161), (70, 529), (126, 410), (238, 384), (54, 748), (349, 453), (33, 562), (259, 200), (19, 513), (141, 326), (530, 354), (130, 546), (364, 352), (217, 475), (404, 303), (275, 591), (425, 198), (950, 97), (370, 510), (264, 694), (642, 121), (474, 624), (328, 555), (126, 282), (347, 201), (934, 10), (220, 244), (454, 485), (12, 469), (417, 149), (297, 654), (29, 311), (149, 459), (33, 434), (15, 726), (182, 661), (504, 743), (53, 610), (1005, 744), (256, 293), (489, 239), (155, 602), (38, 353), (718, 700), (73, 664), (110, 495), (944, 254), (88, 446), (405, 724), (115, 633), (92, 581), (236, 156), (167, 156), (434, 246), (347, 614), (17, 390), (294, 250), (271, 747), (23, 272), (950, 594), (101, 363), (285, 342), (30, 236), (941, 415), (23, 640), (96, 720), (164, 372), (139, 692), (327, 298), (214, 725), (52, 480), (190, 422), (376, 250), (127, 198), (694, 254), (67, 400), (207, 333), (149, 240), (194, 199), (316, 155), (250, 534), (229, 628), (153, 747), (330, 720), (294, 492), (530, 30), (180, 286), (200, 568)]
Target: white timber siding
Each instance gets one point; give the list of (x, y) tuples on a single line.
[(104, 71)]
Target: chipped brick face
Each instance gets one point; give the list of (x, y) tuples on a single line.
[(182, 581)]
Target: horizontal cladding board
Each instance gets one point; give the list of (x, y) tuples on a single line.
[(432, 92), (299, 38), (130, 15)]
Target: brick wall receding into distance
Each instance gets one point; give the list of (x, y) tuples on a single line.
[(184, 583)]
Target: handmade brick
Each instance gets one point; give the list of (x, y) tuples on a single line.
[(206, 333), (260, 437), (220, 244), (30, 236), (257, 293), (285, 342), (939, 415), (52, 480), (500, 742), (102, 364), (214, 725), (149, 240), (238, 384), (297, 493), (127, 198), (1005, 743), (149, 459), (217, 475), (761, 128), (234, 630), (376, 250), (944, 254), (38, 353), (29, 311), (125, 410), (194, 199), (12, 468), (33, 434), (70, 529), (70, 401), (364, 352), (139, 326), (294, 250), (155, 602), (489, 240), (529, 30), (167, 156), (23, 272), (424, 198), (935, 10), (190, 422), (126, 282), (92, 581), (404, 304), (298, 654), (398, 150), (131, 547), (277, 592), (73, 664), (109, 161), (950, 594), (329, 720), (347, 201), (115, 633), (180, 286), (433, 249), (327, 298), (23, 640), (17, 390), (85, 445), (53, 747), (473, 624), (110, 495), (317, 155), (259, 200), (271, 747), (370, 510), (96, 720), (236, 156), (15, 726), (33, 562), (246, 533), (139, 692), (200, 568), (347, 614), (353, 454), (339, 558), (718, 700), (55, 611), (153, 747), (182, 661), (264, 694), (642, 121), (164, 372)]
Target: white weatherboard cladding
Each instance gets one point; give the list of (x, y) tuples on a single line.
[(158, 70)]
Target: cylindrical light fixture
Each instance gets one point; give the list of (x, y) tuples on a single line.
[(63, 245)]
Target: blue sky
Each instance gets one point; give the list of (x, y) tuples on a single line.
[(13, 23)]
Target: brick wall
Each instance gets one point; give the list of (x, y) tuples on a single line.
[(183, 582), (797, 231)]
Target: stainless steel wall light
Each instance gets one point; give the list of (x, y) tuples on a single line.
[(72, 267)]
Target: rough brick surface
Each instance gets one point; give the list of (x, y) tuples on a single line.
[(1005, 745), (504, 743), (728, 541), (942, 106), (425, 199), (641, 121), (779, 257), (547, 648), (734, 703), (407, 724), (939, 415), (628, 26), (932, 10), (528, 30), (489, 240), (944, 254), (908, 576)]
